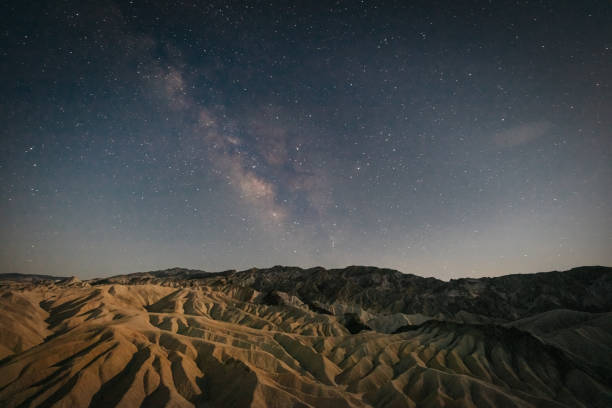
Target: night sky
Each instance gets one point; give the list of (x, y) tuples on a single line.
[(444, 139)]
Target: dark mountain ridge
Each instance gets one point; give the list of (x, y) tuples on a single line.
[(387, 291), (29, 277)]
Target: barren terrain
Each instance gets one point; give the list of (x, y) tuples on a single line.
[(288, 337)]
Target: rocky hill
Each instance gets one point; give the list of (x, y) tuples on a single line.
[(285, 336)]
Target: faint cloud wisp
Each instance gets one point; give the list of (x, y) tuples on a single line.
[(522, 134)]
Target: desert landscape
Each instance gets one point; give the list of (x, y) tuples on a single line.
[(291, 337), (159, 157)]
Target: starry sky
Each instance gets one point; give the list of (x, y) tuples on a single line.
[(439, 138)]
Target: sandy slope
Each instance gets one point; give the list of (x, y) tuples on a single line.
[(67, 345)]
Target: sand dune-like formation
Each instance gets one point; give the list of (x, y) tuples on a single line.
[(206, 342)]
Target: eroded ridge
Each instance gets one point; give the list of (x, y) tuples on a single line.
[(129, 345)]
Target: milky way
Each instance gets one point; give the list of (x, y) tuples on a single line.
[(444, 139)]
